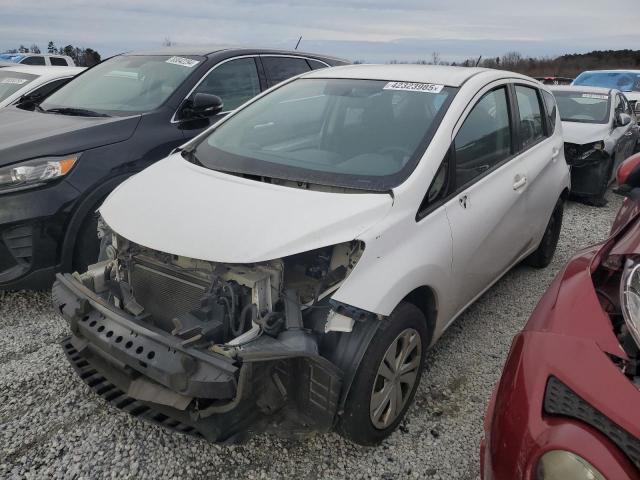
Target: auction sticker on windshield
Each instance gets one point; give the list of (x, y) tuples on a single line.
[(14, 81), (183, 62), (414, 87)]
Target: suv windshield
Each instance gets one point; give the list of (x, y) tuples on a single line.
[(364, 134), (583, 107), (124, 85), (11, 82), (623, 81)]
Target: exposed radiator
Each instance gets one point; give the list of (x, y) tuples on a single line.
[(165, 293)]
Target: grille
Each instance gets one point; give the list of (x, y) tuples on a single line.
[(19, 241), (165, 294), (561, 400)]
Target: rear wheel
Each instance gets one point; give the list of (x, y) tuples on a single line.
[(387, 378), (542, 257)]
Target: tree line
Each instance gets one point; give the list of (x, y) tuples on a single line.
[(569, 65), (82, 56)]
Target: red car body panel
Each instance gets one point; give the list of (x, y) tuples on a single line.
[(571, 337)]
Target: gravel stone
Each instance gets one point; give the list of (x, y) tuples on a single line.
[(53, 426)]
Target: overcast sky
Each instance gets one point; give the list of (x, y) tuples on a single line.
[(369, 30)]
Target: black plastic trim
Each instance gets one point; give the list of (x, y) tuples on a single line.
[(561, 400)]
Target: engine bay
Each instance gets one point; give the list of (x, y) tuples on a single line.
[(205, 303)]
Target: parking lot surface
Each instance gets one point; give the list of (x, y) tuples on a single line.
[(53, 426)]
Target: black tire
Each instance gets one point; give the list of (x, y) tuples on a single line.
[(356, 423), (87, 245), (599, 200), (542, 257)]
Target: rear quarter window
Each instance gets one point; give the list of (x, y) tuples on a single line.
[(58, 62)]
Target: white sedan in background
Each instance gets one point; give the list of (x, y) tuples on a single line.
[(288, 268), (37, 82)]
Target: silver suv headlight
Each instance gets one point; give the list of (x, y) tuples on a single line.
[(35, 172), (630, 297)]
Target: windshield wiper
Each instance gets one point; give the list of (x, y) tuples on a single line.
[(80, 112)]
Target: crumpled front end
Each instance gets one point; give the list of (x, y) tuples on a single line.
[(215, 350), (590, 168)]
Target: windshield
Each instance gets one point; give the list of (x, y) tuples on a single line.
[(11, 82), (583, 107), (623, 81), (363, 134), (124, 85), (11, 57)]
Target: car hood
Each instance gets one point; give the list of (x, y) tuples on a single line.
[(184, 209), (582, 133), (26, 134)]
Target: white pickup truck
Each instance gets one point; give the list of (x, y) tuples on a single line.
[(42, 59)]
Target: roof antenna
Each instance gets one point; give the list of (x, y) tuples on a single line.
[(298, 44), (478, 62)]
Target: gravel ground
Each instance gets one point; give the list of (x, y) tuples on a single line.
[(52, 426)]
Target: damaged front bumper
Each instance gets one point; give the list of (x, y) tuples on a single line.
[(590, 170), (221, 394)]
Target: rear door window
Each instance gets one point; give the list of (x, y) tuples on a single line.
[(530, 121), (484, 140), (279, 69), (235, 82), (33, 61)]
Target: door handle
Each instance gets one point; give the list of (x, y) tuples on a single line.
[(556, 152), (520, 181), (464, 201)]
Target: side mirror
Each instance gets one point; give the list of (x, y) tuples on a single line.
[(623, 119), (629, 172), (203, 105)]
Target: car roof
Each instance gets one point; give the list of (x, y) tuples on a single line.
[(31, 54), (53, 72), (434, 74), (206, 50), (580, 88), (622, 70)]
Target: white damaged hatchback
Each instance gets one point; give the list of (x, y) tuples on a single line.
[(287, 270)]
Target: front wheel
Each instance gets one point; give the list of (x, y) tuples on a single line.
[(542, 257), (387, 378)]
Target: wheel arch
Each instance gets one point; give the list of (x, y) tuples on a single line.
[(89, 202), (424, 298)]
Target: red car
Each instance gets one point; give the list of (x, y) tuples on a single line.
[(568, 404)]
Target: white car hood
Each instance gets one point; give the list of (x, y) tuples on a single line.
[(582, 133), (184, 209)]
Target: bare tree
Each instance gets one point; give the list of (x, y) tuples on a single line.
[(167, 42), (34, 48), (511, 59)]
